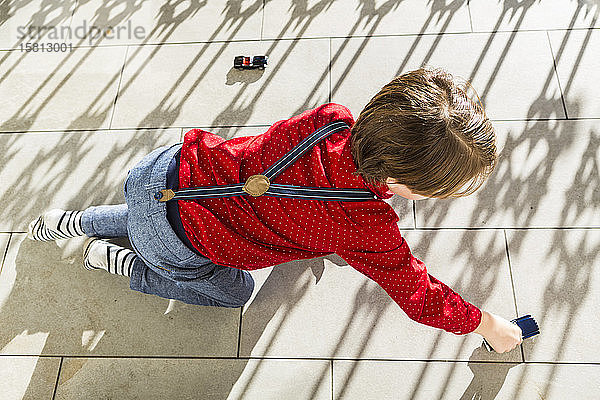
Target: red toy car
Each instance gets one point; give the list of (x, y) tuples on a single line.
[(242, 62)]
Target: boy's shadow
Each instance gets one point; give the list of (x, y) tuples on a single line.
[(90, 313), (488, 377)]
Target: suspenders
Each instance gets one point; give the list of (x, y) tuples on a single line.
[(261, 184)]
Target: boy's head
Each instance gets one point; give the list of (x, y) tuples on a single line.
[(422, 131)]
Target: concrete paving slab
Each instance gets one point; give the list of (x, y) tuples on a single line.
[(404, 209), (577, 61), (513, 73), (493, 15), (196, 84), (30, 378), (39, 21), (51, 305), (71, 171), (557, 281), (318, 18), (194, 379), (315, 309), (59, 90), (544, 178), (164, 22), (453, 380)]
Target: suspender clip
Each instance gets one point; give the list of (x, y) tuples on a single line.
[(256, 185), (167, 194)]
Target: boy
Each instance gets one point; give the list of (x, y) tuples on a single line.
[(202, 213)]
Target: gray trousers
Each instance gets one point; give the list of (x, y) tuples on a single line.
[(165, 266)]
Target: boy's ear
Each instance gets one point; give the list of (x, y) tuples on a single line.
[(390, 180)]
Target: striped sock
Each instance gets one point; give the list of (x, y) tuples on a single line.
[(56, 224), (100, 254)]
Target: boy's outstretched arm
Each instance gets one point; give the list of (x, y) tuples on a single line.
[(384, 256)]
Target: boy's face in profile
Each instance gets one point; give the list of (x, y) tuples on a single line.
[(402, 190)]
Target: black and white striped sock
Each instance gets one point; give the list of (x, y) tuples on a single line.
[(56, 224), (100, 254)]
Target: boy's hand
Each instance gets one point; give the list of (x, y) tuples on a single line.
[(501, 334)]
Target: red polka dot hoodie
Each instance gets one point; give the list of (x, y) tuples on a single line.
[(249, 233)]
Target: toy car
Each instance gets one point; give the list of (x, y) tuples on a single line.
[(528, 325), (242, 62)]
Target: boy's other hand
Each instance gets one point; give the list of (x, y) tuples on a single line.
[(500, 333)]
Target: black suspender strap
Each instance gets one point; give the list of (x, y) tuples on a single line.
[(303, 147), (261, 184)]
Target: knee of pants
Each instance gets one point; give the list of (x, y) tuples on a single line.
[(242, 293), (248, 289), (230, 295)]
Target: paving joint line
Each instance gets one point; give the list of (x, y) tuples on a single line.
[(240, 332), (330, 359), (470, 17), (262, 23), (546, 119), (541, 30), (554, 61), (5, 252), (73, 13), (332, 382), (512, 284), (134, 128), (57, 378), (414, 208), (114, 107)]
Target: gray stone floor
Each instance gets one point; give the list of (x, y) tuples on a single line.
[(72, 124)]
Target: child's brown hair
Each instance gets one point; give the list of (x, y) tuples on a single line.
[(422, 130)]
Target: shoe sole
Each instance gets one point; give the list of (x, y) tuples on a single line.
[(39, 226), (86, 251)]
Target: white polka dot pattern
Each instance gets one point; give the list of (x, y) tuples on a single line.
[(257, 232)]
